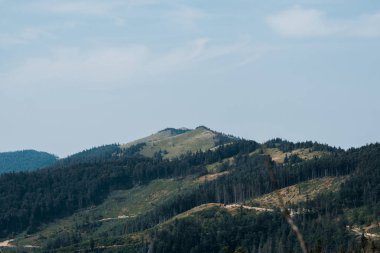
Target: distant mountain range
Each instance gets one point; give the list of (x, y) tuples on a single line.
[(25, 160), (196, 190)]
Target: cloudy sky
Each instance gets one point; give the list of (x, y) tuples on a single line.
[(76, 74)]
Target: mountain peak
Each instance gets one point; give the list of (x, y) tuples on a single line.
[(203, 128), (174, 142), (175, 131)]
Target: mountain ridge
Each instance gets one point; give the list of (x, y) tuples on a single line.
[(25, 160), (173, 142), (113, 199)]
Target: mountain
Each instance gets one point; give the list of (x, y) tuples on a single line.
[(25, 160), (172, 142), (218, 198)]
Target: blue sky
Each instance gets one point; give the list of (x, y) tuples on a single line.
[(76, 74)]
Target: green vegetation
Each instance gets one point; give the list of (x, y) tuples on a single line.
[(221, 165), (301, 192), (375, 230), (112, 199), (117, 207), (217, 230), (280, 156), (141, 198), (77, 184), (25, 160), (175, 142), (210, 228)]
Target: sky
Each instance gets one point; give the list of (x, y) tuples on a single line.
[(75, 74)]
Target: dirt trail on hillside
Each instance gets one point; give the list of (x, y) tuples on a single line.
[(359, 231), (259, 209), (372, 226), (120, 217), (7, 244)]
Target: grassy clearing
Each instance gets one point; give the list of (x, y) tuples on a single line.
[(210, 177), (151, 138), (120, 205), (195, 210), (139, 199), (233, 209), (300, 192), (306, 154), (218, 166), (174, 144)]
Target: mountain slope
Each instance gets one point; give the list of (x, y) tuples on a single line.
[(25, 160), (118, 207), (175, 142), (112, 199), (301, 192)]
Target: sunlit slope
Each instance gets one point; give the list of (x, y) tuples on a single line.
[(304, 153), (119, 206), (174, 142), (116, 209), (301, 192)]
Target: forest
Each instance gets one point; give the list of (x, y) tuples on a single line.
[(324, 224), (25, 160), (28, 200)]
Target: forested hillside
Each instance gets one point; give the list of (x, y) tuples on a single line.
[(25, 160), (201, 212), (29, 199), (324, 221)]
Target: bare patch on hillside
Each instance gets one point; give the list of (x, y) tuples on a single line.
[(233, 209), (173, 145), (210, 177), (301, 192), (7, 244), (215, 167), (304, 153)]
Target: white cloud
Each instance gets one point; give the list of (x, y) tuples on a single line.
[(367, 25), (119, 11), (103, 68), (92, 7), (106, 9), (23, 37), (300, 22), (76, 67), (185, 16), (77, 7)]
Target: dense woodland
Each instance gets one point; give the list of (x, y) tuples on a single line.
[(25, 160), (218, 231), (28, 200), (287, 146), (323, 224), (248, 178)]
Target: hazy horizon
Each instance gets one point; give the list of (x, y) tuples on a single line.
[(79, 74)]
